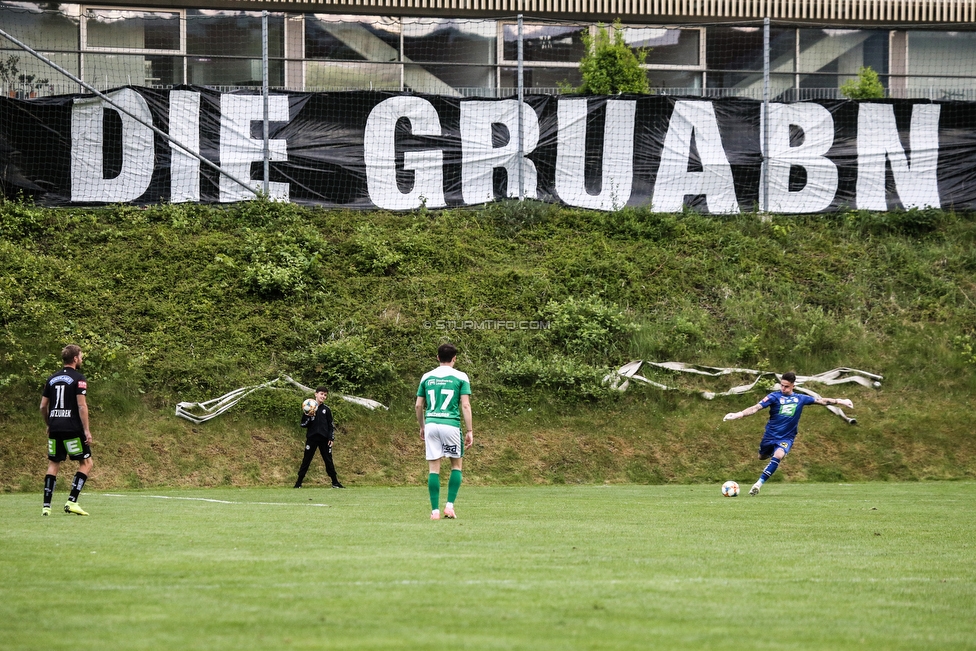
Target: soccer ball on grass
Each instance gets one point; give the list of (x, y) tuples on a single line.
[(730, 489), (309, 406)]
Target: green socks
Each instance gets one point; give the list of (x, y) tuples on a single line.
[(453, 486), (434, 487)]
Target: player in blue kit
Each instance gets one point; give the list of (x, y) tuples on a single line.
[(784, 416)]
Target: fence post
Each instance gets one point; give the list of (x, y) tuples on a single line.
[(264, 94), (765, 118), (521, 99)]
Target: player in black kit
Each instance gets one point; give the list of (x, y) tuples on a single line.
[(64, 407), (319, 435)]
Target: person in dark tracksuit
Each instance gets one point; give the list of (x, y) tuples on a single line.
[(319, 435)]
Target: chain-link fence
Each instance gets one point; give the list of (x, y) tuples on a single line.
[(199, 114)]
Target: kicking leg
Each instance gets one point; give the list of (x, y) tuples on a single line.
[(768, 470)]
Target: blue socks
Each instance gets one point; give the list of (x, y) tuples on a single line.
[(770, 469)]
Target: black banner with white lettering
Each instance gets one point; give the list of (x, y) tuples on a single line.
[(399, 151)]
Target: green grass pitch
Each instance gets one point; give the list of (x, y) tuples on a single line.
[(885, 566)]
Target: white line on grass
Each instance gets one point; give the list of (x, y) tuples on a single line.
[(208, 499)]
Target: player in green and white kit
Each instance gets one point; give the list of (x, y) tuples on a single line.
[(443, 398)]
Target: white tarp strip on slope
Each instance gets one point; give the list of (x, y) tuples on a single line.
[(620, 379), (200, 412)]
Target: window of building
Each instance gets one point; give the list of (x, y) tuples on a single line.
[(666, 46), (674, 56), (449, 41), (54, 35), (540, 78), (741, 49), (943, 62), (829, 57), (545, 43), (352, 38), (448, 55), (229, 47), (342, 75), (131, 46), (128, 29), (674, 80)]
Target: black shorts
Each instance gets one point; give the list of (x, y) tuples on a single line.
[(67, 445)]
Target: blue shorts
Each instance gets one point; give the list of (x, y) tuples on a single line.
[(768, 446)]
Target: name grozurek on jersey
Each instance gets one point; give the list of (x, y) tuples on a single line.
[(62, 391)]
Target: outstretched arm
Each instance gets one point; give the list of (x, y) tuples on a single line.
[(748, 411), (835, 401)]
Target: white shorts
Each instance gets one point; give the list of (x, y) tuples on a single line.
[(442, 441)]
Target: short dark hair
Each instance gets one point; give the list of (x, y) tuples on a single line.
[(790, 377), (69, 352), (446, 352), (322, 389)]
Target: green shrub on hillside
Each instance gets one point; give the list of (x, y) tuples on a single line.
[(279, 262), (966, 347), (565, 376), (373, 253), (346, 364), (587, 325)]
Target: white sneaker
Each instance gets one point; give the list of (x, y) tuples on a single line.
[(755, 488)]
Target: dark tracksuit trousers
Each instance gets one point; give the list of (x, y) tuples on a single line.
[(319, 436)]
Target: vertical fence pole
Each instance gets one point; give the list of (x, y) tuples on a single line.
[(521, 98), (765, 117), (264, 94)]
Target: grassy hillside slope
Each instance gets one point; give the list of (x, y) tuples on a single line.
[(186, 303)]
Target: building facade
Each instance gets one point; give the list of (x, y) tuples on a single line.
[(470, 47)]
